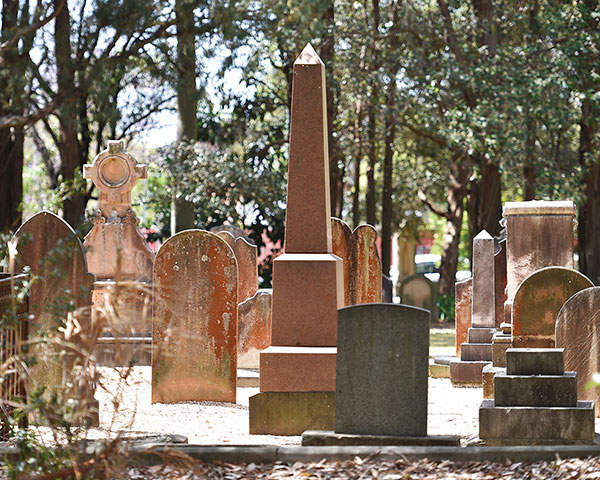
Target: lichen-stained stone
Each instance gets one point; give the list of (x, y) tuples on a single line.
[(578, 333), (115, 247), (194, 320), (463, 298), (254, 328), (246, 256), (362, 265), (537, 303), (539, 234), (50, 247)]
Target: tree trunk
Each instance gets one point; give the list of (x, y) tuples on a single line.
[(357, 161), (588, 227), (11, 178), (459, 175), (182, 211), (72, 160), (388, 160), (372, 117), (328, 57), (11, 140)]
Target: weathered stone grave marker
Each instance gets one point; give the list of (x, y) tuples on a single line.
[(418, 291), (537, 303), (195, 320), (116, 251), (297, 373), (254, 328), (381, 379), (362, 266), (578, 333), (463, 309), (50, 247), (477, 352)]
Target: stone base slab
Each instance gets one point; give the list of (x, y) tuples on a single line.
[(291, 413), (481, 334), (319, 438), (466, 374), (476, 352), (536, 425), (437, 370), (487, 374), (500, 343), (297, 369), (538, 361), (536, 390)]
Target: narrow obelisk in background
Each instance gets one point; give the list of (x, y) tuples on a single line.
[(297, 373)]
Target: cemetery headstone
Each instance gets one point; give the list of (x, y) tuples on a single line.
[(381, 384), (194, 320), (362, 266), (537, 303), (476, 353), (245, 254), (50, 247), (536, 403), (578, 333), (254, 328), (297, 373), (538, 234), (418, 291), (500, 281), (118, 255)]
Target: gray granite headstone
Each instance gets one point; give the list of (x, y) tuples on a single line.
[(381, 374), (484, 307)]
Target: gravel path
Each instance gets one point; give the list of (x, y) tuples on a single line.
[(451, 411)]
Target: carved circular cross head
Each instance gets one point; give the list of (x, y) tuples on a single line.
[(114, 171)]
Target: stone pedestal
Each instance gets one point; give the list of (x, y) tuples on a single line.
[(536, 403), (297, 378), (477, 351), (501, 341)]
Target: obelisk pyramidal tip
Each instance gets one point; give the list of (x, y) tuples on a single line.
[(308, 214), (309, 57)]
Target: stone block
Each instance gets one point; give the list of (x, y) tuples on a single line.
[(476, 352), (321, 438), (536, 425), (381, 373), (466, 373), (500, 281), (500, 343), (307, 292), (418, 291), (535, 361), (577, 332), (297, 369), (537, 303), (291, 413), (536, 390), (487, 374), (437, 370), (539, 234), (481, 335)]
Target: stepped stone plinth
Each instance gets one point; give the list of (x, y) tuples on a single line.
[(536, 402), (476, 353)]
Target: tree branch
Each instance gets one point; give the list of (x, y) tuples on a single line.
[(17, 121), (438, 211)]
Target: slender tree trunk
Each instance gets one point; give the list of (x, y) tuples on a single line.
[(182, 211), (459, 175), (390, 139), (69, 147), (357, 161), (372, 116), (588, 227), (328, 57), (11, 140)]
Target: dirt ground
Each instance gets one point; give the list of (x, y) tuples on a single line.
[(451, 411)]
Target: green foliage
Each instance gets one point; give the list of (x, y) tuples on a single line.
[(445, 306)]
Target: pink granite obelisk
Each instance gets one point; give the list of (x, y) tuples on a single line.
[(297, 372)]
